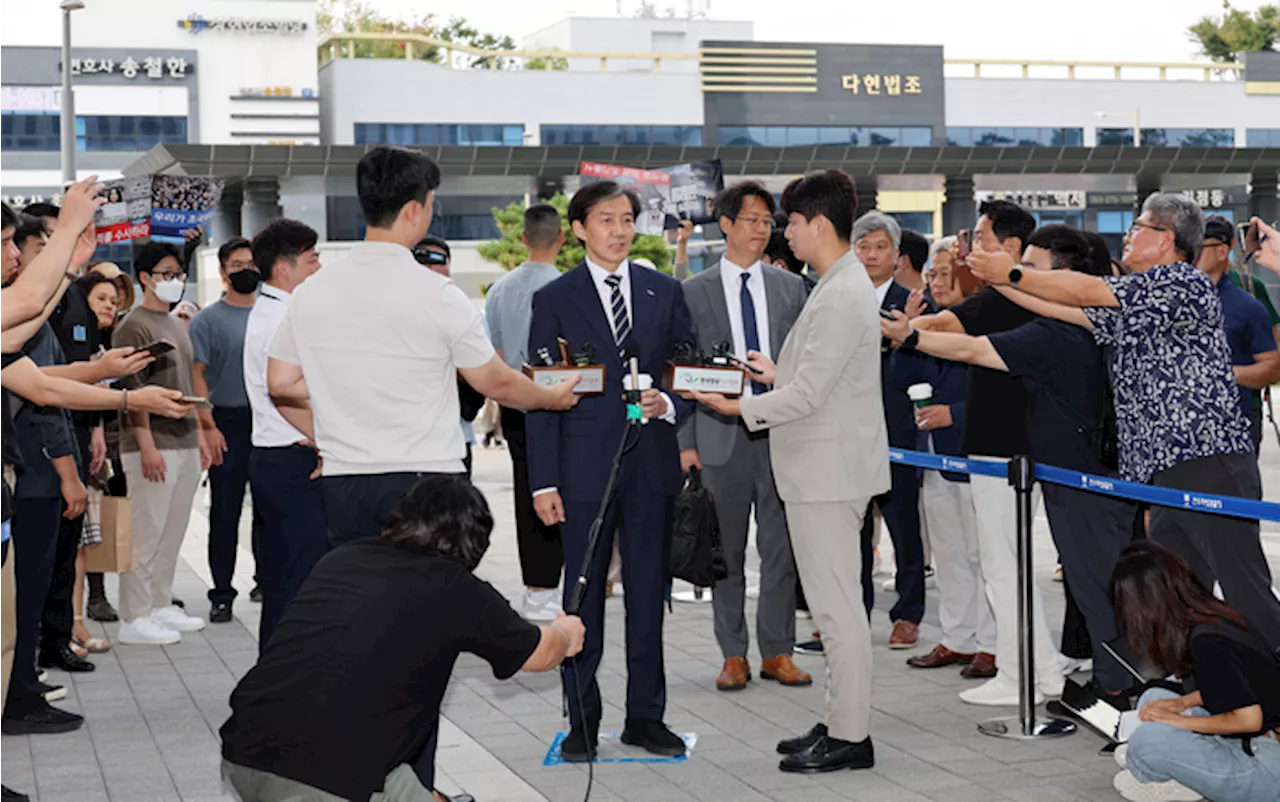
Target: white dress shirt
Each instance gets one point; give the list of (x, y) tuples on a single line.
[(731, 278), (270, 429), (882, 291)]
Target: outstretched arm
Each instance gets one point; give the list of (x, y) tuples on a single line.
[(1065, 287), (1067, 314)]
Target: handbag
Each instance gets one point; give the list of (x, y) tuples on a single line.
[(115, 554), (697, 554)]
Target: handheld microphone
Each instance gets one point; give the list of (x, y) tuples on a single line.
[(631, 356)]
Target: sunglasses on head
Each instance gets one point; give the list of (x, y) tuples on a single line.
[(429, 256)]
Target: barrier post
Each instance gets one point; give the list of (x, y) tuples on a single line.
[(1024, 726)]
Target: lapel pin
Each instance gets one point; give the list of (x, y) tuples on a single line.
[(649, 293)]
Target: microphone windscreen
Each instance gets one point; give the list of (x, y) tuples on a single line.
[(631, 349)]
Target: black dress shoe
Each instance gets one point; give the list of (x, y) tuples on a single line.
[(653, 737), (803, 742), (574, 748), (830, 754), (810, 647), (255, 595), (8, 793), (101, 610), (220, 613), (63, 658), (44, 721)]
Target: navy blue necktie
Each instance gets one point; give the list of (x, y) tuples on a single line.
[(749, 331)]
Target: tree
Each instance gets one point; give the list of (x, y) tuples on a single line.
[(358, 16), (1236, 32), (509, 251)]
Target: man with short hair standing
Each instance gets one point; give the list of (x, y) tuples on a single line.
[(509, 310), (830, 456), (751, 307), (217, 340), (283, 465), (913, 253)]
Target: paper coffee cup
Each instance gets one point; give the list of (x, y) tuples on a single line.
[(921, 394), (646, 381)]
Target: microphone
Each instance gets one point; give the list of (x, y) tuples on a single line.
[(631, 357)]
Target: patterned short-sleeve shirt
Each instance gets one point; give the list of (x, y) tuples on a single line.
[(1175, 391)]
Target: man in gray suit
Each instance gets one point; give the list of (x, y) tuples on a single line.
[(750, 307), (830, 456)]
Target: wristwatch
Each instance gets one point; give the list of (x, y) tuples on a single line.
[(912, 339), (1015, 275)]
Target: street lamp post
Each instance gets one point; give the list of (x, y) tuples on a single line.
[(67, 112)]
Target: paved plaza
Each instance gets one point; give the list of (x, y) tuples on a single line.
[(152, 715)]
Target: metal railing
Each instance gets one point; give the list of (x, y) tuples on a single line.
[(344, 45)]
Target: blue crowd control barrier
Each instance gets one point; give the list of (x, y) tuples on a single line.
[(1163, 496)]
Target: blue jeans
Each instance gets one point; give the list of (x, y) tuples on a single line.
[(1216, 767)]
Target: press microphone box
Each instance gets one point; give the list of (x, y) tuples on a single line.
[(592, 377), (726, 380)]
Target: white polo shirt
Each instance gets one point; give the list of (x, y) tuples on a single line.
[(379, 338), (270, 429)]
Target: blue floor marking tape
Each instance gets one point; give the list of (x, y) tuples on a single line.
[(1163, 496), (612, 740)]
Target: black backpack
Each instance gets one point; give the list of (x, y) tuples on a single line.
[(697, 555)]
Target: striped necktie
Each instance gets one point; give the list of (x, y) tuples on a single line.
[(621, 321)]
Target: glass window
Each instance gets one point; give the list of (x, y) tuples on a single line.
[(833, 135), (666, 135), (775, 136), (916, 136), (1115, 137), (1029, 137), (802, 136), (1114, 222), (1189, 137), (959, 137), (1263, 137), (919, 222), (692, 135)]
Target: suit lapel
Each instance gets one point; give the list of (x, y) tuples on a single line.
[(773, 291), (588, 302), (714, 288)]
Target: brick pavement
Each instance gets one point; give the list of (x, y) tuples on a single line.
[(153, 714)]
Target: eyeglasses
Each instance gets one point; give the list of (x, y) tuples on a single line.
[(1133, 229), (239, 265), (169, 275), (937, 275), (754, 221)]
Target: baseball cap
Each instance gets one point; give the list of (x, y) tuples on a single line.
[(1217, 227)]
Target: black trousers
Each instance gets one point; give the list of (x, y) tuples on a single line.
[(357, 506), (901, 510), (226, 495), (1217, 547), (1090, 531), (295, 531), (1075, 632), (34, 529), (58, 616), (541, 549)]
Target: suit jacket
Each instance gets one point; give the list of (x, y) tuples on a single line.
[(709, 432), (573, 450), (949, 381), (828, 441)]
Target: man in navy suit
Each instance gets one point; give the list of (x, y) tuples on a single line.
[(612, 304), (876, 238)]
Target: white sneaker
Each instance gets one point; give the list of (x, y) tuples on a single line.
[(172, 617), (1121, 752), (146, 632), (1169, 791), (996, 692), (890, 584), (1072, 665), (930, 577), (541, 605), (42, 676), (56, 693)]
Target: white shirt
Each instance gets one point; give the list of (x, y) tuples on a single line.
[(731, 279), (882, 291), (270, 429), (379, 338)]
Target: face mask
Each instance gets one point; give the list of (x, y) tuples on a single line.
[(170, 291), (245, 281)]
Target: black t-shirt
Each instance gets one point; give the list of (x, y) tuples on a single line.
[(1062, 371), (76, 325), (1233, 669), (995, 417), (9, 437), (351, 683)]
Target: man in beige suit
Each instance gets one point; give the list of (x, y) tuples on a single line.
[(830, 455)]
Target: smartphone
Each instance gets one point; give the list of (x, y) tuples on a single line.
[(1247, 239), (964, 245), (961, 274), (158, 348), (199, 402), (887, 314)]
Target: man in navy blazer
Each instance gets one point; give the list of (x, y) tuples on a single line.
[(876, 238), (608, 303)]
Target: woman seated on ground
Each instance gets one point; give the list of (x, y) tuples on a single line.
[(342, 705), (1219, 742)]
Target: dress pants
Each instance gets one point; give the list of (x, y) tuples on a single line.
[(643, 522), (541, 551), (8, 616), (1217, 547), (994, 501), (901, 510), (35, 525), (358, 505), (226, 496), (968, 626), (746, 480), (295, 532), (1090, 531), (828, 560), (57, 617), (161, 511)]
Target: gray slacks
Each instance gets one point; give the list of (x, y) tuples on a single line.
[(744, 482)]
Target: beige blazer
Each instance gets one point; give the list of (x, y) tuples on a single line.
[(825, 412)]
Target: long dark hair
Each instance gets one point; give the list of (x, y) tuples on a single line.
[(445, 516), (1158, 600)]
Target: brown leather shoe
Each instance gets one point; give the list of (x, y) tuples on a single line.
[(734, 676), (982, 667), (905, 635), (783, 670), (939, 657)]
